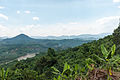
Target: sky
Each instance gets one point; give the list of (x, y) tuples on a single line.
[(58, 17)]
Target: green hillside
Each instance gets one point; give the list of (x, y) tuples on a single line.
[(79, 63), (12, 48), (41, 66)]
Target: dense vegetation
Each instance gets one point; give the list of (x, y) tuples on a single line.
[(12, 48), (96, 60)]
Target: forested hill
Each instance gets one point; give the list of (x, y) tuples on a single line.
[(12, 48), (19, 39), (24, 39), (40, 66)]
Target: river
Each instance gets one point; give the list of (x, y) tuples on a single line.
[(26, 56)]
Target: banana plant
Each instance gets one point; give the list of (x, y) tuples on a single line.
[(108, 56), (65, 74), (109, 59), (79, 72), (4, 74), (69, 73), (90, 63)]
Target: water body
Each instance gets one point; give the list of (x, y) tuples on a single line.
[(21, 58)]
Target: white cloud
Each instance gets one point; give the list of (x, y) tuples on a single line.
[(4, 31), (3, 16), (35, 18), (1, 7), (73, 23), (118, 6), (108, 24), (102, 25), (27, 12), (116, 0), (107, 19), (18, 12)]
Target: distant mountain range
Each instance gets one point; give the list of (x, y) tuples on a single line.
[(24, 39), (20, 45), (1, 38), (82, 36)]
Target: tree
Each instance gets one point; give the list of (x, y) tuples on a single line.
[(51, 52), (116, 36), (44, 63), (116, 39)]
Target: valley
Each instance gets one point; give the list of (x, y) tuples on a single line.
[(21, 45)]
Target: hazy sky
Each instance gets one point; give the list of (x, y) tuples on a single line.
[(58, 17)]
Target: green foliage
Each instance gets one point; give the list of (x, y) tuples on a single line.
[(108, 55), (44, 63), (4, 74), (51, 52), (65, 74), (69, 73), (110, 59), (25, 74), (116, 36)]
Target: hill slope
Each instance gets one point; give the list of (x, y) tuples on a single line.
[(22, 44), (20, 39), (77, 55)]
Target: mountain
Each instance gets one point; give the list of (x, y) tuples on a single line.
[(20, 39), (82, 36), (24, 39), (1, 38), (12, 48)]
